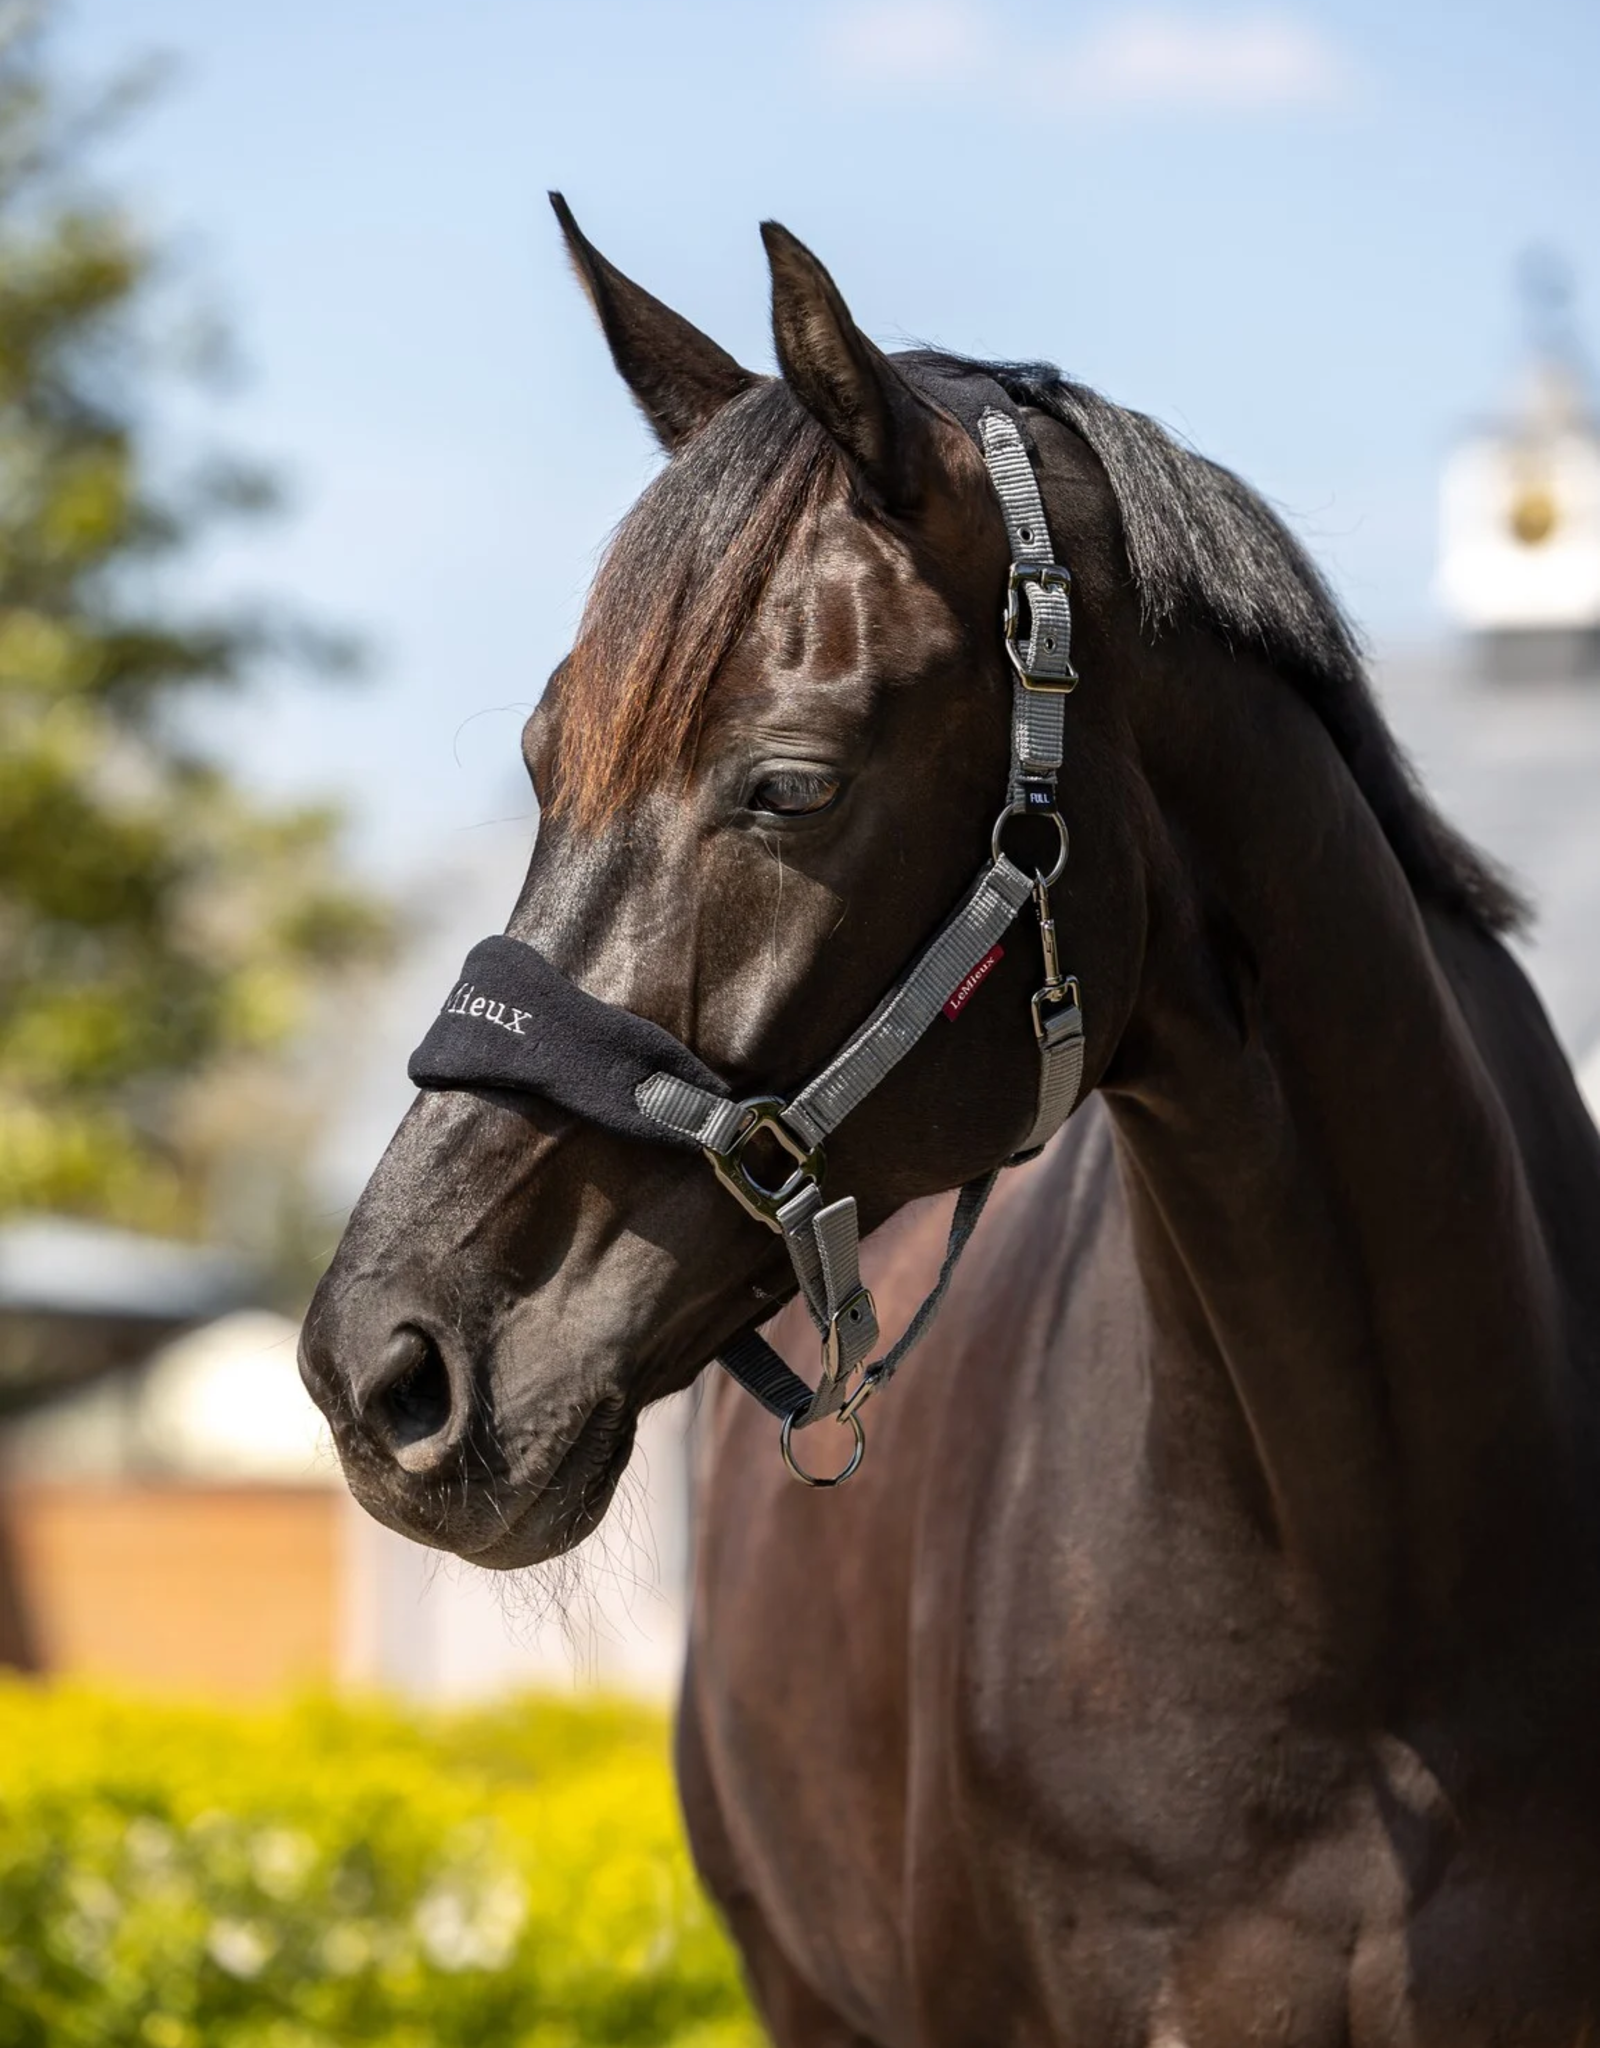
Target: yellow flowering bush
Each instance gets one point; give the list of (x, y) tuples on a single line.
[(326, 1874)]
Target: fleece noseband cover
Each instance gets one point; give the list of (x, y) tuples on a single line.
[(513, 1021)]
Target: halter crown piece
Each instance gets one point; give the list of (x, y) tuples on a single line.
[(515, 1021)]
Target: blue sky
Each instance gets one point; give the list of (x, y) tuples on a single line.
[(1289, 232)]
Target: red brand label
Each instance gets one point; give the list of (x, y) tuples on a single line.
[(969, 982)]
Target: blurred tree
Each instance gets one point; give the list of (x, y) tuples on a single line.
[(163, 938)]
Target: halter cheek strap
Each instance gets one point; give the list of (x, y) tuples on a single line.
[(515, 1021)]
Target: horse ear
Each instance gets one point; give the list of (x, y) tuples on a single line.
[(678, 375), (842, 380)]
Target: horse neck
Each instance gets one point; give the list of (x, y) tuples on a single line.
[(1334, 1215)]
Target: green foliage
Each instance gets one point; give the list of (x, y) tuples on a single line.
[(324, 1875), (160, 935)]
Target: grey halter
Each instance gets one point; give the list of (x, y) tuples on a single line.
[(624, 1072)]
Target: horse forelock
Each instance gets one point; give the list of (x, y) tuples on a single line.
[(678, 586)]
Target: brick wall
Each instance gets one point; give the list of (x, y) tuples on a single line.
[(221, 1590)]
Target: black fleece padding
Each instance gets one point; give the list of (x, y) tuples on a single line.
[(514, 1021)]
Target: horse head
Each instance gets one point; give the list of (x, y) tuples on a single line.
[(766, 772)]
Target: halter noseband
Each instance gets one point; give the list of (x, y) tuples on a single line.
[(515, 1021)]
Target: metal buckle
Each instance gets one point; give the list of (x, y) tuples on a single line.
[(1046, 576), (857, 1308), (1067, 1023), (1026, 810), (764, 1113)]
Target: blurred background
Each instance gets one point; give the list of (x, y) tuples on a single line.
[(308, 448)]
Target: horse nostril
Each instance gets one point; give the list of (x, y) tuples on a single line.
[(413, 1403)]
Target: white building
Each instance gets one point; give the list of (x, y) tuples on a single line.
[(1519, 564)]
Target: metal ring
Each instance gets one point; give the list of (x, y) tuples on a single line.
[(799, 1471), (1022, 810), (764, 1113)]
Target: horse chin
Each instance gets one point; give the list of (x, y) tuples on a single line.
[(573, 1502), (508, 1526)]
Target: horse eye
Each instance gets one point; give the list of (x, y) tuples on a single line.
[(794, 793)]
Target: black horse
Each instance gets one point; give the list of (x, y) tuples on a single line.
[(1209, 1652)]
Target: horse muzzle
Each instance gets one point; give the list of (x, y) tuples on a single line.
[(437, 1444)]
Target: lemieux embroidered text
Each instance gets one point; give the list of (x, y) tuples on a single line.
[(466, 1002), (970, 982)]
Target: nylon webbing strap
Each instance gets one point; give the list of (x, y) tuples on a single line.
[(1044, 656), (823, 1242), (758, 1368), (909, 1008), (824, 1245), (882, 1041), (970, 1205), (751, 1360), (693, 1113), (1043, 660), (1060, 1076)]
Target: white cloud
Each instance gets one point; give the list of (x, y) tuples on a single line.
[(908, 42), (1159, 58)]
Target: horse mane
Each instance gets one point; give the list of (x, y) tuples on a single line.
[(1205, 550), (687, 566)]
